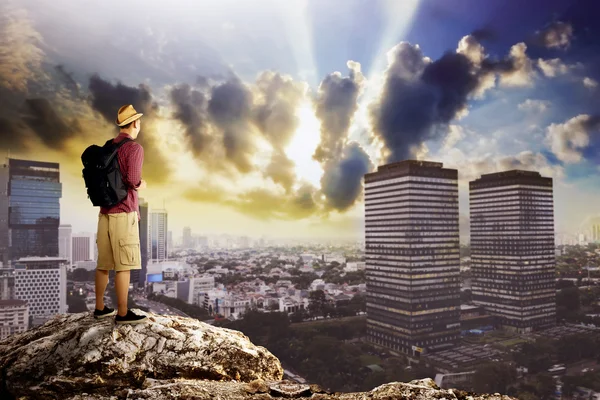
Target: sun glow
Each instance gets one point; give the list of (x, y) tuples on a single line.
[(303, 145)]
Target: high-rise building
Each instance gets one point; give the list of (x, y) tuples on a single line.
[(170, 241), (4, 231), (65, 242), (84, 247), (187, 238), (512, 248), (412, 257), (34, 192), (14, 317), (42, 283), (7, 283), (139, 276), (158, 235)]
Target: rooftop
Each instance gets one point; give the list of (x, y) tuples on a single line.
[(9, 303)]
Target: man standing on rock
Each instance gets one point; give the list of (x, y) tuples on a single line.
[(113, 176)]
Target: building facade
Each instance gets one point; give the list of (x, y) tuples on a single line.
[(158, 235), (412, 257), (14, 317), (42, 283), (4, 231), (34, 192), (138, 276), (512, 248), (7, 283), (187, 238), (84, 247), (65, 242)]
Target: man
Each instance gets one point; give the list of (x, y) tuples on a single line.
[(118, 226)]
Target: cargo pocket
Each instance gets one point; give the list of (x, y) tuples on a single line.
[(129, 252)]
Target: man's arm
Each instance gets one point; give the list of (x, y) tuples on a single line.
[(135, 162)]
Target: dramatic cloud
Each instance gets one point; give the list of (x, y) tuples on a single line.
[(39, 115), (342, 181), (190, 108), (230, 108), (276, 100), (107, 98), (557, 35), (344, 164), (455, 134), (21, 56), (335, 105), (11, 135), (517, 70), (420, 97), (531, 105), (590, 83), (553, 67), (568, 140)]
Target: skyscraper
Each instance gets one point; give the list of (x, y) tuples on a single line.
[(158, 235), (512, 248), (65, 242), (187, 238), (139, 276), (34, 192), (4, 232), (169, 240), (84, 247), (412, 256)]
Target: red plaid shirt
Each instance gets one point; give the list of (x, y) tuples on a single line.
[(131, 159)]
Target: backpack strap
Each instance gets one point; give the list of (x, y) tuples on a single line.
[(116, 148)]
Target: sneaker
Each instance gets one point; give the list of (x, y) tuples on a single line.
[(107, 312), (130, 318)]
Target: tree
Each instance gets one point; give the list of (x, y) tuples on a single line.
[(494, 377), (358, 303), (76, 304), (82, 275), (317, 304)]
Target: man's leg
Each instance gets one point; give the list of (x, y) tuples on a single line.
[(101, 282), (122, 289)]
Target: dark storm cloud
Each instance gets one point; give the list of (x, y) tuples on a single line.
[(342, 180), (335, 106), (230, 107), (107, 98), (557, 35), (418, 96), (67, 77), (11, 134), (483, 34), (191, 110), (50, 127)]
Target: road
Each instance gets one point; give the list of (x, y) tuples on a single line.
[(159, 308)]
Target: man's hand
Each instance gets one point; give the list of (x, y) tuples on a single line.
[(142, 185)]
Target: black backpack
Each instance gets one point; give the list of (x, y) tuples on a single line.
[(102, 175)]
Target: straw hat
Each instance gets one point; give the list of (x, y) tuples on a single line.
[(126, 115)]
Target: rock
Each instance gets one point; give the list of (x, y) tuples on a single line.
[(75, 352), (75, 357)]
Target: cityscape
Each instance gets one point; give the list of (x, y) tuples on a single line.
[(370, 191)]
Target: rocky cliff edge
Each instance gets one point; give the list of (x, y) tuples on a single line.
[(75, 357)]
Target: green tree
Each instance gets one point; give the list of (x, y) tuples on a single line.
[(317, 303), (76, 304), (82, 275)]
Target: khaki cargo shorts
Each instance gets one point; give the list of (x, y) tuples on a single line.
[(119, 242)]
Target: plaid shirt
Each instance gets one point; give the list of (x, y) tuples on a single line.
[(131, 158)]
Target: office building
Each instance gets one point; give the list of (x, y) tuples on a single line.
[(199, 286), (84, 247), (158, 235), (7, 283), (65, 242), (187, 238), (42, 283), (412, 257), (34, 192), (4, 232), (138, 277), (170, 241), (512, 248), (14, 317)]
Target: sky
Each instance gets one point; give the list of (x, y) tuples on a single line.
[(262, 117)]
